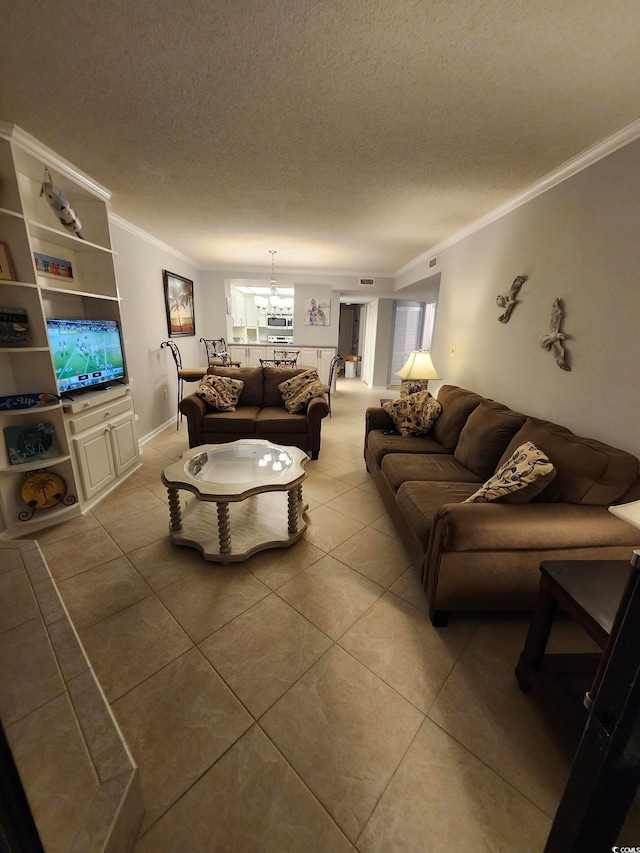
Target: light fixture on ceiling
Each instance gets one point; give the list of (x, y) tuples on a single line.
[(416, 373), (274, 296)]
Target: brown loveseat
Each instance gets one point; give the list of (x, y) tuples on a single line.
[(486, 556), (260, 413)]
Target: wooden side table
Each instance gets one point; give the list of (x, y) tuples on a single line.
[(590, 591)]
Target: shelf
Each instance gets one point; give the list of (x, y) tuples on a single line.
[(32, 410), (62, 238), (19, 284), (70, 292), (24, 349), (32, 466), (50, 516), (4, 211)]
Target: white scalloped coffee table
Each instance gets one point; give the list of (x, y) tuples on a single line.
[(257, 489)]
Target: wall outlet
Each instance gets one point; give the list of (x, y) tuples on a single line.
[(165, 394)]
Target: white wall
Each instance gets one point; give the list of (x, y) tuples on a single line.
[(139, 265), (578, 241)]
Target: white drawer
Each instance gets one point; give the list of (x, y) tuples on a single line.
[(98, 416)]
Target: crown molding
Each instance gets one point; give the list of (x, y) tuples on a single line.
[(297, 271), (33, 146), (571, 167), (149, 238)]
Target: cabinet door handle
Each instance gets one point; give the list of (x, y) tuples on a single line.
[(107, 414)]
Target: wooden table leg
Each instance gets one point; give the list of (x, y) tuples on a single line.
[(175, 513), (224, 528), (294, 503), (538, 636)]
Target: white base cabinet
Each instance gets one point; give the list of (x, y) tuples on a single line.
[(318, 358), (105, 452)]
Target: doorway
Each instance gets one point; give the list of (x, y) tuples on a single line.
[(408, 331)]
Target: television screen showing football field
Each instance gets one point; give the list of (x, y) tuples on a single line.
[(85, 352)]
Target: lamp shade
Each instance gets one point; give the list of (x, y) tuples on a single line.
[(418, 366), (628, 512)]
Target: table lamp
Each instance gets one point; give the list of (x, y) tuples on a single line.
[(416, 373)]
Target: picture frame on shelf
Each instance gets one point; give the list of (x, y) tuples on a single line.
[(178, 297), (6, 267), (52, 267), (14, 327), (31, 442)]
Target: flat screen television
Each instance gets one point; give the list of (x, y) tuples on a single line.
[(86, 353)]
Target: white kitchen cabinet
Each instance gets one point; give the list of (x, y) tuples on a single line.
[(248, 356), (320, 358), (250, 311), (238, 309), (255, 354)]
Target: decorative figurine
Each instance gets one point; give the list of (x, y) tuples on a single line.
[(60, 205), (508, 300), (553, 341)]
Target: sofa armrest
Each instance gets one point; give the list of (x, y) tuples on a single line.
[(499, 526), (376, 418), (317, 409), (194, 408)]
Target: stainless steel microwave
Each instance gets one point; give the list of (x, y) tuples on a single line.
[(280, 322)]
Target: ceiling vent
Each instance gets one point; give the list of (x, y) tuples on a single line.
[(367, 282), (433, 262)]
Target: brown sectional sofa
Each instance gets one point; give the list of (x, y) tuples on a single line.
[(260, 413), (486, 556)]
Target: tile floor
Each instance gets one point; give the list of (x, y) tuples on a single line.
[(302, 701)]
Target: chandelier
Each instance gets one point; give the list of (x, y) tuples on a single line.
[(274, 296), (274, 302)]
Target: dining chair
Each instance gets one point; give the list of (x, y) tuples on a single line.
[(286, 357), (185, 374), (335, 365), (216, 350)]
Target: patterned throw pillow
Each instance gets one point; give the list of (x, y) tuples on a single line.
[(297, 391), (525, 474), (414, 414), (221, 392)]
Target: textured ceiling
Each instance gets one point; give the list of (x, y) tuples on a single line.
[(349, 136)]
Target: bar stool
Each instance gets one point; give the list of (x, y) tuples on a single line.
[(185, 374), (216, 350)]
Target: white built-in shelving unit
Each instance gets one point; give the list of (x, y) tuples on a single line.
[(95, 431)]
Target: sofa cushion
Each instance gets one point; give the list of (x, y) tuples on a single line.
[(252, 393), (418, 502), (524, 474), (457, 404), (587, 471), (242, 420), (274, 376), (379, 444), (297, 391), (220, 392), (485, 436), (414, 414), (277, 419), (398, 468)]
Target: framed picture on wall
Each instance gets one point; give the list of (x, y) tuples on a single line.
[(178, 297), (317, 312)]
